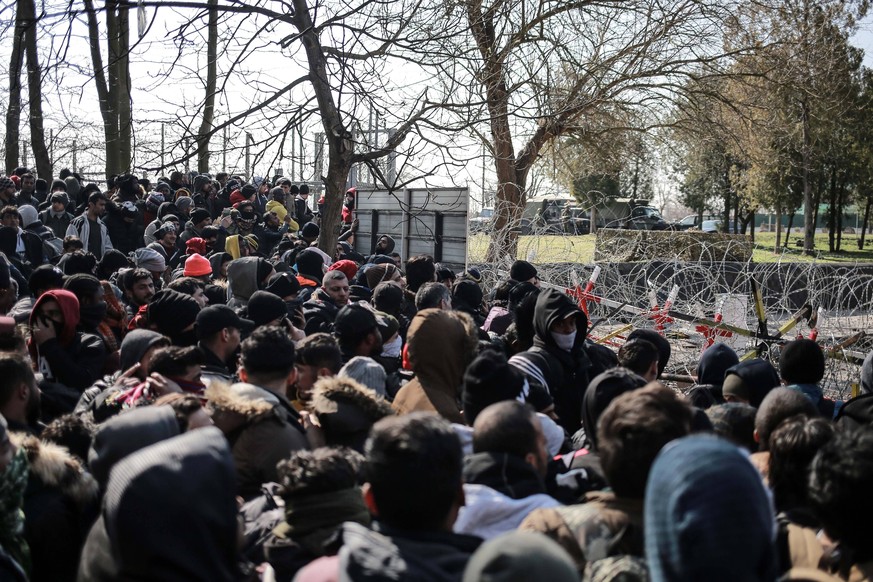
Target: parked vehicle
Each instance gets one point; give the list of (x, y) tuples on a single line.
[(482, 221), (693, 221), (630, 214)]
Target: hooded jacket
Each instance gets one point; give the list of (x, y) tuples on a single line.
[(242, 280), (708, 515), (259, 429), (216, 260), (73, 358), (440, 346), (60, 502), (507, 474), (714, 364), (125, 434), (488, 513), (758, 376), (602, 390), (566, 373), (149, 527)]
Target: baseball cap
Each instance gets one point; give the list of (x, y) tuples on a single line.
[(214, 318)]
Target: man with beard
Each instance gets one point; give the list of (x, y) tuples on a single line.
[(357, 331), (90, 228), (19, 395), (138, 287), (321, 309), (270, 233), (27, 194)]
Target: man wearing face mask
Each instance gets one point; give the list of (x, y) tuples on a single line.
[(558, 358), (63, 354)]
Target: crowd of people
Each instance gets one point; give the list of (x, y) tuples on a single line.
[(191, 389)]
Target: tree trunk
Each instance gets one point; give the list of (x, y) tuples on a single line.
[(790, 224), (866, 219), (118, 38), (727, 202), (808, 223), (34, 95), (778, 228), (339, 140), (105, 93), (211, 81), (13, 108), (832, 206), (840, 198), (750, 221)]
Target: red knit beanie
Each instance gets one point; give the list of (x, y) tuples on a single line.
[(197, 266)]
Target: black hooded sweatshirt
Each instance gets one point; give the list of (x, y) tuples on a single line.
[(714, 363), (567, 373)]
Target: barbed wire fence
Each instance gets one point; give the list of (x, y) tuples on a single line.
[(683, 297)]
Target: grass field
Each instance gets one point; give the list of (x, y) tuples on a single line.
[(580, 249)]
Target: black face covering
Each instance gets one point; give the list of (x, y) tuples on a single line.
[(91, 316), (185, 338)]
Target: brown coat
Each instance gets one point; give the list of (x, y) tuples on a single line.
[(440, 345), (603, 526)]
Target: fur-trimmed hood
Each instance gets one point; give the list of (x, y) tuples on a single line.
[(56, 468), (346, 411), (246, 400)]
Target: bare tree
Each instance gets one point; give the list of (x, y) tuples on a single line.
[(211, 81), (13, 108)]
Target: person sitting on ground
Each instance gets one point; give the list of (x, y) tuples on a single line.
[(632, 431), (414, 489)]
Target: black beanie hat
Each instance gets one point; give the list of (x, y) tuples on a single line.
[(277, 194), (79, 263), (172, 311), (46, 277), (310, 230), (310, 263), (522, 271), (304, 188), (489, 379), (264, 307), (247, 190), (199, 215), (802, 362), (283, 285)]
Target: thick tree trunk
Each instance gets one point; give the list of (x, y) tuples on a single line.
[(808, 220), (34, 95), (211, 81), (105, 94), (123, 93), (339, 140), (13, 108), (840, 198)]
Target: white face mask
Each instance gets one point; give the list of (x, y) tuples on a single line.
[(393, 347), (565, 341)]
